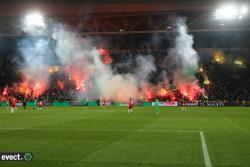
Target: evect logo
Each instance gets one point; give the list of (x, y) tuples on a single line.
[(15, 156), (28, 156), (10, 157)]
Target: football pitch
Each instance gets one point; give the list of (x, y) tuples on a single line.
[(110, 137)]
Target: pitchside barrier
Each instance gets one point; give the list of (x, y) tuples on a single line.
[(163, 104), (146, 104), (3, 104)]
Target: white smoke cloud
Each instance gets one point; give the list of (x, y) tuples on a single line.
[(72, 49), (182, 54), (35, 71), (35, 50), (145, 66), (185, 61)]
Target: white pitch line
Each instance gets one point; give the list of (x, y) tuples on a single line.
[(205, 151), (101, 130)]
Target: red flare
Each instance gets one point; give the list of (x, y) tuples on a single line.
[(105, 56), (60, 84), (77, 76), (190, 90), (5, 91)]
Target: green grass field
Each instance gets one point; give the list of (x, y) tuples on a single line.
[(110, 137)]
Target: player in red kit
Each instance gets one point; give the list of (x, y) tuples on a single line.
[(130, 106), (103, 102), (13, 105), (40, 105)]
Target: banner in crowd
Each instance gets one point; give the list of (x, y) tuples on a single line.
[(76, 103), (167, 104), (19, 104), (135, 103), (47, 104), (123, 104), (191, 103)]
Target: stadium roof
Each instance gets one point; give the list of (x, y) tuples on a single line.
[(115, 16), (71, 7)]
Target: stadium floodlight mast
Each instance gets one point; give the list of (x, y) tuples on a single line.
[(231, 12)]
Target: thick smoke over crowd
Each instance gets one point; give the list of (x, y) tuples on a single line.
[(94, 79), (183, 54), (185, 60)]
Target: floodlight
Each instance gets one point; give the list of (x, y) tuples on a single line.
[(34, 20), (226, 12), (231, 12), (34, 23), (244, 10)]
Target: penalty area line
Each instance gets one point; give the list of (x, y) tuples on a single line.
[(203, 141), (205, 150)]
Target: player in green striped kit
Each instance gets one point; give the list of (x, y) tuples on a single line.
[(35, 104), (85, 101), (157, 109)]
